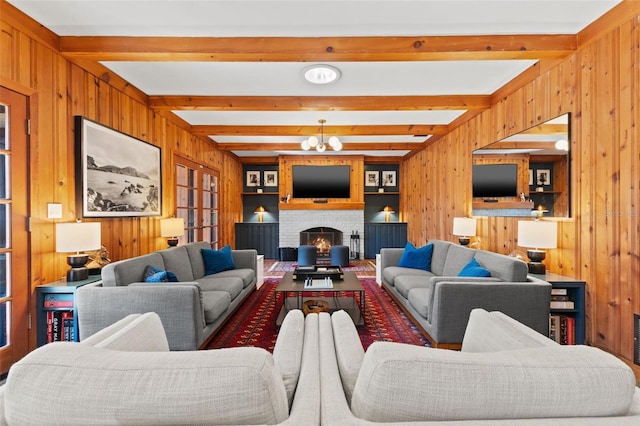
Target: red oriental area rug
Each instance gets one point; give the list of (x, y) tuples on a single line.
[(254, 324)]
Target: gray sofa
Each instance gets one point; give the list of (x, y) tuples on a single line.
[(125, 374), (505, 373), (439, 301), (191, 310)]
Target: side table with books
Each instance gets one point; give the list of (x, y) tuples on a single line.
[(56, 310), (567, 310)]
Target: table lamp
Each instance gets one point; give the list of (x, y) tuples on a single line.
[(77, 237), (464, 227), (536, 235), (260, 210), (171, 229), (387, 212)]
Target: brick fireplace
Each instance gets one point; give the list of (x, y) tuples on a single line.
[(293, 222)]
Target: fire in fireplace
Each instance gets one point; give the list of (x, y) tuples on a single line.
[(321, 237)]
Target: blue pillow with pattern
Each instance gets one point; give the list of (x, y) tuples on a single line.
[(155, 275)]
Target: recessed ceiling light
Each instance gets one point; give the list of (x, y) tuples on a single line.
[(321, 74)]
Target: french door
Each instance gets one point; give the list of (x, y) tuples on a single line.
[(197, 200), (14, 245)]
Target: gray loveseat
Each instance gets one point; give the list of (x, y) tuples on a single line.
[(440, 301), (191, 310), (125, 374), (506, 373)]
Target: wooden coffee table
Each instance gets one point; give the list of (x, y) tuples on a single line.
[(291, 294)]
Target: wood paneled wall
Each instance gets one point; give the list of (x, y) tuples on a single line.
[(58, 90), (599, 243)]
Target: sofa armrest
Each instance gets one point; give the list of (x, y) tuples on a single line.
[(245, 259), (390, 257), (133, 333), (179, 306), (3, 420), (453, 301), (506, 334)]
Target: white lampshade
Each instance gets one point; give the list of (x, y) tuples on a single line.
[(537, 234), (464, 226), (172, 227), (77, 236)]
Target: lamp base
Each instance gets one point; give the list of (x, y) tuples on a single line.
[(78, 272), (172, 242), (464, 241), (535, 264)]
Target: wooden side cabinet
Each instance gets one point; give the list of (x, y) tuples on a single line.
[(260, 236), (56, 310), (383, 235), (567, 311)]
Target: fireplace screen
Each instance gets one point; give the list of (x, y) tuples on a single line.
[(322, 238)]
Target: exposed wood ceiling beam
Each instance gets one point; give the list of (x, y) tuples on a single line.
[(320, 103), (286, 49), (372, 130), (353, 146)]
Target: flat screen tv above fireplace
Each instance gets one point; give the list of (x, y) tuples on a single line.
[(321, 181)]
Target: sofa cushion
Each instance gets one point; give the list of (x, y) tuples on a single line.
[(246, 275), (349, 350), (287, 352), (214, 304), (231, 285), (127, 271), (440, 250), (195, 257), (506, 268), (157, 275), (418, 258), (223, 386), (217, 260), (404, 383), (405, 283), (457, 258), (390, 273), (474, 269), (177, 261), (420, 299)]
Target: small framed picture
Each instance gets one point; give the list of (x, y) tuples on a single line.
[(270, 178), (530, 177), (543, 177), (253, 178), (371, 178), (389, 178)]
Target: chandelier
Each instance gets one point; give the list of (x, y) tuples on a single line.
[(319, 144)]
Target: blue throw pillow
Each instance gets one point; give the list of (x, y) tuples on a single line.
[(217, 260), (155, 275), (417, 258), (473, 269)]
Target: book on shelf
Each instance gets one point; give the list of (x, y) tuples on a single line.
[(57, 303), (562, 329), (559, 292), (60, 326), (562, 304)]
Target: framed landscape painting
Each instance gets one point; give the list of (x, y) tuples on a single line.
[(117, 175)]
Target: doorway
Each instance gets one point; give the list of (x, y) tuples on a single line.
[(14, 238)]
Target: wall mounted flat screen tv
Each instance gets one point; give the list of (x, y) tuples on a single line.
[(321, 181), (495, 180)]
